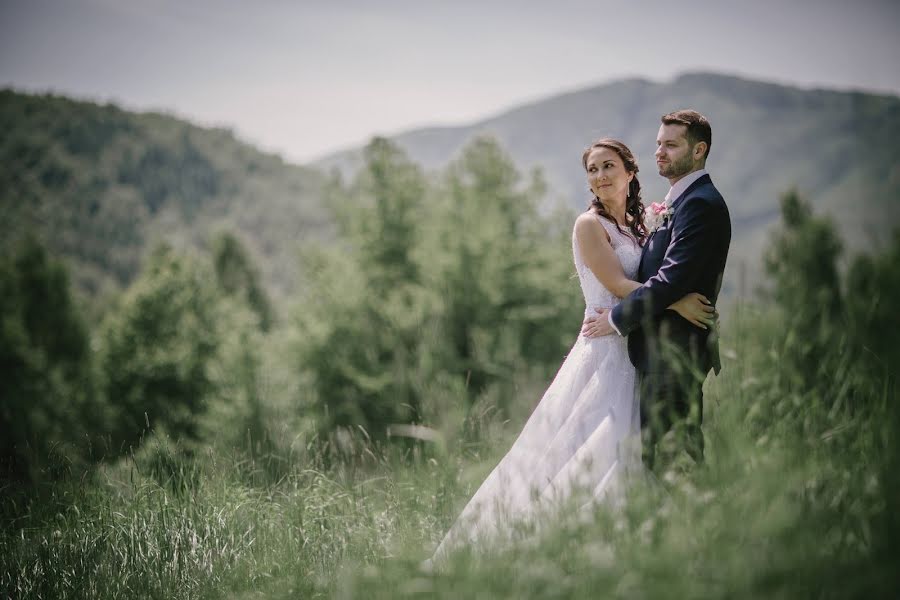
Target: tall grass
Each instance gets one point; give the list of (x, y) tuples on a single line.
[(793, 501)]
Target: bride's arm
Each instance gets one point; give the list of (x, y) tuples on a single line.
[(601, 259), (599, 256)]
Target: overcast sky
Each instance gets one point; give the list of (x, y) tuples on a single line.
[(305, 78)]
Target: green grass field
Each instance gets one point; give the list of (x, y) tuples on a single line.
[(796, 500)]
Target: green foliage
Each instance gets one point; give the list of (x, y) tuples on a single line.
[(446, 301), (183, 360), (101, 185), (503, 272), (458, 281), (156, 351), (833, 146), (251, 415), (778, 511), (362, 318), (184, 176), (238, 277), (395, 189), (802, 263), (45, 390), (873, 285)]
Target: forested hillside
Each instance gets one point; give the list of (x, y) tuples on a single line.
[(100, 186)]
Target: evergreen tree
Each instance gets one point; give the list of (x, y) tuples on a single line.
[(366, 306), (394, 186), (434, 288), (802, 262), (157, 350), (238, 276), (873, 285), (503, 271), (47, 407)]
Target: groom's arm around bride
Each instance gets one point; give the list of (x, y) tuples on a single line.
[(693, 260)]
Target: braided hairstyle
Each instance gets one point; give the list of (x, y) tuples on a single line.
[(634, 208)]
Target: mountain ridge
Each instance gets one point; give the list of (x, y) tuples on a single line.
[(99, 185), (684, 77), (832, 146)]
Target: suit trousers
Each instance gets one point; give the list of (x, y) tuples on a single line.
[(671, 406)]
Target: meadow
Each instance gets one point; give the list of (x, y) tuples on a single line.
[(211, 448)]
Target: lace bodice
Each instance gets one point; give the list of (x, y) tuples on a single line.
[(629, 253)]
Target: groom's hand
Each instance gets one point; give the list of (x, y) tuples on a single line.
[(597, 326)]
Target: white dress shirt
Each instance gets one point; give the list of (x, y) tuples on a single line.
[(683, 184), (674, 192)]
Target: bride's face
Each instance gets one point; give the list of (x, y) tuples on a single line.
[(607, 175)]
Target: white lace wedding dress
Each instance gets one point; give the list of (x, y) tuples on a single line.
[(584, 434)]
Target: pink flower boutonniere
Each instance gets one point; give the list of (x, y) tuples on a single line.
[(656, 214)]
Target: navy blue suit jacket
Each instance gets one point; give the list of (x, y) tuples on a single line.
[(686, 254)]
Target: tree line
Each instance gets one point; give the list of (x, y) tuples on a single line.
[(447, 296)]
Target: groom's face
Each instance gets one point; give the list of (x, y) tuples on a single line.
[(673, 152)]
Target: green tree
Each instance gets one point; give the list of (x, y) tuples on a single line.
[(47, 407), (503, 271), (238, 277), (802, 263), (873, 285), (157, 350), (362, 316), (394, 188), (434, 289)]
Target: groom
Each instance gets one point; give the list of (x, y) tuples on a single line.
[(685, 252)]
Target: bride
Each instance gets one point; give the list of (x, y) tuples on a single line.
[(585, 432)]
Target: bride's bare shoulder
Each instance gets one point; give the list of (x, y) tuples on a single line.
[(588, 225)]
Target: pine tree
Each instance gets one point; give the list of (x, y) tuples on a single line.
[(157, 349), (802, 262), (47, 406), (238, 277), (503, 271)]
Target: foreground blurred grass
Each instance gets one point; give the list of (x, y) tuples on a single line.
[(796, 499)]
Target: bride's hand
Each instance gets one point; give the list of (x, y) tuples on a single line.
[(697, 309)]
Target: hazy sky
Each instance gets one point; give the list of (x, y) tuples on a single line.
[(305, 78)]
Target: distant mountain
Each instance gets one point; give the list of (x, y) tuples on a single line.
[(101, 185), (836, 148)]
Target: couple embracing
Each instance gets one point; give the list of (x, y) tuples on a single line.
[(628, 397)]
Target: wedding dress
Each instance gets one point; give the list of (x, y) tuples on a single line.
[(583, 435)]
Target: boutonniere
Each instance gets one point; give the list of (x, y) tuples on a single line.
[(656, 214)]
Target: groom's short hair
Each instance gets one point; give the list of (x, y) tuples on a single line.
[(698, 127)]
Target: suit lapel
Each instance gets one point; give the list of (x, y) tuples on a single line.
[(701, 181), (643, 254)]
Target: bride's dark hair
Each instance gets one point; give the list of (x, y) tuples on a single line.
[(634, 208)]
